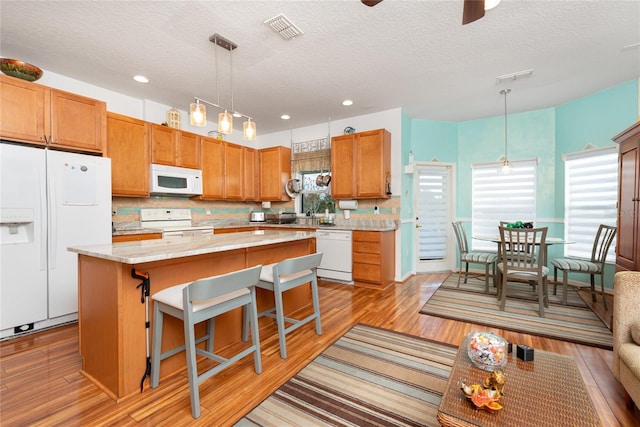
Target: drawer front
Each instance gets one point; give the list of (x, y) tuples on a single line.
[(366, 258), (366, 272), (367, 247), (367, 236)]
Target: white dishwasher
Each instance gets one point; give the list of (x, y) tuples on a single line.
[(335, 246)]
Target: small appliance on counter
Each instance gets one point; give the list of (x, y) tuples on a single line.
[(281, 218), (257, 216)]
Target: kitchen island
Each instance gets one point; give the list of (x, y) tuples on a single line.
[(111, 305)]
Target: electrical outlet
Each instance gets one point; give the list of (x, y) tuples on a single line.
[(376, 211)]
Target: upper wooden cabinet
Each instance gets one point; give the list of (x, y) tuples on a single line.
[(275, 171), (37, 114), (174, 147), (233, 172), (212, 168), (251, 168), (128, 148), (628, 235), (188, 150), (361, 165), (228, 171)]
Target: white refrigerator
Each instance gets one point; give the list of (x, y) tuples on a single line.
[(49, 200)]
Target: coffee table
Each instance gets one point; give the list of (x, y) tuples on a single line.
[(547, 391)]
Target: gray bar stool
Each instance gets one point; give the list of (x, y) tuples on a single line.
[(281, 277), (202, 300)]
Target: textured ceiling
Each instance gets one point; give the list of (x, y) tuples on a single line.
[(413, 55)]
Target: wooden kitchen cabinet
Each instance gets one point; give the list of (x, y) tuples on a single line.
[(212, 168), (38, 114), (164, 150), (173, 147), (188, 146), (628, 238), (233, 172), (135, 237), (250, 173), (128, 148), (275, 171), (373, 258), (361, 165)]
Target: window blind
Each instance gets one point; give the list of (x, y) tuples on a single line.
[(501, 197), (433, 200), (591, 194)]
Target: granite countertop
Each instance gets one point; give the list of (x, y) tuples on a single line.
[(353, 225), (360, 226), (176, 247)]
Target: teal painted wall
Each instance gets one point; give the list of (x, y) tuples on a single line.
[(430, 141), (594, 119), (544, 134)]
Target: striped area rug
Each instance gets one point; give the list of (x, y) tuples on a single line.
[(369, 376), (574, 322)]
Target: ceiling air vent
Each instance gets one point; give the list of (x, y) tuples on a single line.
[(284, 27)]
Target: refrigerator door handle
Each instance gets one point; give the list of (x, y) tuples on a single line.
[(53, 229), (43, 223)]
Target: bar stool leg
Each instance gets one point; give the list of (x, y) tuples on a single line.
[(316, 304), (158, 318), (280, 322), (192, 367)]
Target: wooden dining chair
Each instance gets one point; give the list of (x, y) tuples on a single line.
[(593, 267), (522, 253), (488, 259)]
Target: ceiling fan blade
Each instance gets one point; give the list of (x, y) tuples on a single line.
[(472, 11), (372, 3)]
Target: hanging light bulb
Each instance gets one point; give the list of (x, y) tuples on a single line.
[(197, 114), (225, 122), (249, 130), (506, 167), (197, 110)]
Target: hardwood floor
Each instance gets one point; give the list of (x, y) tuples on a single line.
[(41, 383)]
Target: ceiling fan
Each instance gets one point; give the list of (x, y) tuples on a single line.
[(474, 9)]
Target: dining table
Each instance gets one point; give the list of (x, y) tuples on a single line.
[(496, 239), (548, 242)]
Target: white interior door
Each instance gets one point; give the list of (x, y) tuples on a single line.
[(434, 207)]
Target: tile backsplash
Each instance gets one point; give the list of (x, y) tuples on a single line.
[(127, 209)]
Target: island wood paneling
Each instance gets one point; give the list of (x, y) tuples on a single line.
[(112, 311)]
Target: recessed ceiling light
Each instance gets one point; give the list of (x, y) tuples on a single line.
[(285, 117), (347, 102), (141, 79)]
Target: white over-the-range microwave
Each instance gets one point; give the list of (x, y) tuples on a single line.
[(175, 180)]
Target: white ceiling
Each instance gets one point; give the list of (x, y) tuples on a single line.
[(414, 55)]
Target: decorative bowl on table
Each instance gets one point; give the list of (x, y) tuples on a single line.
[(487, 350), (20, 69)]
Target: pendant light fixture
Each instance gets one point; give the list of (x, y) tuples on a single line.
[(198, 111), (506, 167)]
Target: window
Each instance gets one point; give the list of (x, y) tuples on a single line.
[(498, 197), (591, 194), (315, 198)]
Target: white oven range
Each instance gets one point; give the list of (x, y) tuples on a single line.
[(172, 222)]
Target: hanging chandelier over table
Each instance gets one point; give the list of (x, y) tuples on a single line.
[(198, 110)]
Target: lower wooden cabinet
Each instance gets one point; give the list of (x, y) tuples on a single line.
[(373, 258), (135, 237)]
